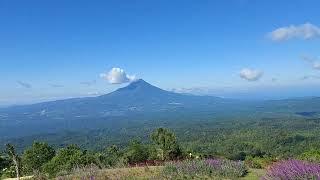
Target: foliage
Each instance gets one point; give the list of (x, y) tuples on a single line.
[(258, 143), (67, 159), (110, 157), (4, 164), (258, 162), (293, 169), (36, 156), (8, 172), (204, 169), (278, 133), (227, 168), (167, 143), (311, 155), (136, 152)]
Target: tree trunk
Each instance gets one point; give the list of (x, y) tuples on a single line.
[(15, 161)]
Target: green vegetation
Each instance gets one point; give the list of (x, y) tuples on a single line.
[(166, 144), (68, 158), (36, 156), (312, 155), (241, 148), (201, 169), (42, 159), (136, 152)]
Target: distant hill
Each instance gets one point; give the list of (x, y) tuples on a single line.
[(140, 105), (139, 97)]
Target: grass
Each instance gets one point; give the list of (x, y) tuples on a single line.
[(25, 177), (254, 174), (150, 172), (141, 173)]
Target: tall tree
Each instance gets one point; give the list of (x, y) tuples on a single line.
[(15, 158), (36, 156), (167, 143), (136, 152)]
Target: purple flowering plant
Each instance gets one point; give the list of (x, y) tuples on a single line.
[(293, 170)]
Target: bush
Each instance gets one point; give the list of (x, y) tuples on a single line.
[(293, 169), (4, 164), (136, 152), (258, 162), (36, 156), (67, 159), (204, 169), (311, 155), (9, 172)]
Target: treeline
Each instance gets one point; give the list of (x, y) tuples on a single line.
[(44, 159), (258, 144)]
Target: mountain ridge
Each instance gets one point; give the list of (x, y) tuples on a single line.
[(140, 101)]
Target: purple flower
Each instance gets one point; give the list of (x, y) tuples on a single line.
[(292, 170)]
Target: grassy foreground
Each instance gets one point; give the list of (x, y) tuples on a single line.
[(151, 172)]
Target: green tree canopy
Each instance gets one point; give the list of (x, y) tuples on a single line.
[(68, 158), (110, 157), (167, 143), (36, 156), (136, 152)]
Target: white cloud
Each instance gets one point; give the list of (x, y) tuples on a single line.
[(315, 62), (117, 76), (250, 74), (303, 31)]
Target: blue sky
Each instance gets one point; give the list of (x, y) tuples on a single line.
[(58, 49)]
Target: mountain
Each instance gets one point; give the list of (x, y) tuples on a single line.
[(137, 109), (138, 98), (142, 95), (141, 102)]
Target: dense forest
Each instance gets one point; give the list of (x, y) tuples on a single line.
[(253, 136), (257, 143), (277, 136)]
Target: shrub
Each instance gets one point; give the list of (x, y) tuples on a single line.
[(36, 156), (4, 164), (204, 169), (293, 169), (9, 172), (311, 155), (258, 162), (227, 168), (136, 152), (67, 159)]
